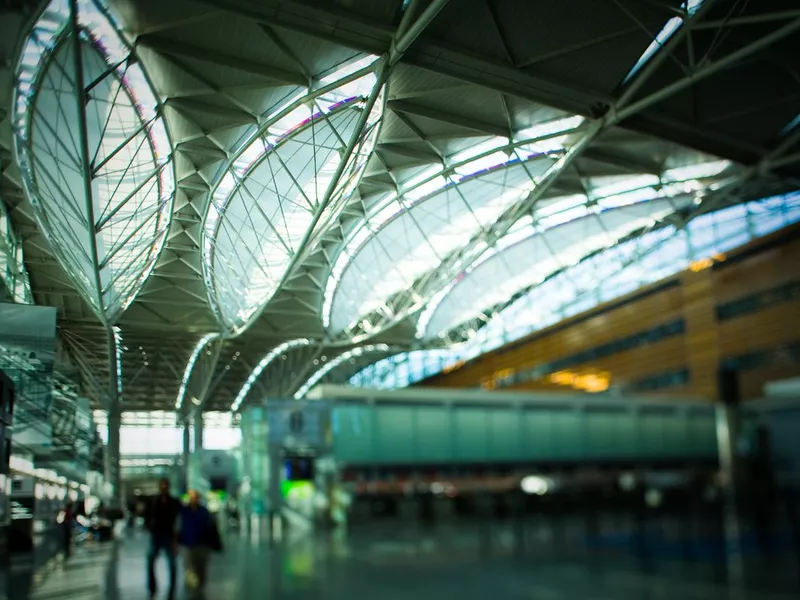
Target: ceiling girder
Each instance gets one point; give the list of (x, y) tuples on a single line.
[(402, 106), (166, 46)]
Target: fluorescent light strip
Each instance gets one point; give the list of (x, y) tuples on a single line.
[(330, 366), (187, 373), (263, 364)]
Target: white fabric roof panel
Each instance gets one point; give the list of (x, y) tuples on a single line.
[(128, 200)]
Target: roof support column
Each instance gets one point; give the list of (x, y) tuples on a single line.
[(114, 411), (186, 457), (195, 462), (113, 474)]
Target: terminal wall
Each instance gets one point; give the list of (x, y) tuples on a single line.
[(670, 338), (438, 434)]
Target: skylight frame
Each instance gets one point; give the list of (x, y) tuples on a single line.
[(37, 57), (228, 186), (520, 150)]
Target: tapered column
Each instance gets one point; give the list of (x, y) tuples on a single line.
[(196, 459), (186, 457), (112, 458)]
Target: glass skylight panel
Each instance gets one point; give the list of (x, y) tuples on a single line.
[(697, 171), (187, 372), (412, 366), (565, 216), (482, 164), (611, 273), (278, 185), (479, 149), (411, 234), (552, 206), (349, 69), (549, 128), (526, 257), (629, 197), (663, 36), (131, 183)]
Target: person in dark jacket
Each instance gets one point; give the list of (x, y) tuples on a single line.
[(197, 534), (162, 522), (65, 520)]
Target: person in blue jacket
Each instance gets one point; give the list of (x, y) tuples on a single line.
[(197, 535)]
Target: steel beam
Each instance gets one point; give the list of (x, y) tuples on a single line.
[(440, 115), (86, 167), (166, 46), (705, 71)]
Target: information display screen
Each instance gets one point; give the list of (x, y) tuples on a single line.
[(299, 468)]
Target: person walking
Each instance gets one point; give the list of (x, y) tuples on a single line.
[(65, 521), (162, 522), (199, 536)]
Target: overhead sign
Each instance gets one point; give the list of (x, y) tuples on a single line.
[(295, 424)]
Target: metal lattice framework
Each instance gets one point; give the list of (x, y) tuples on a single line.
[(295, 173), (93, 152), (556, 239), (643, 258), (339, 167)]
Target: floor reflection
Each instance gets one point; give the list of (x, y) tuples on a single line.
[(535, 558)]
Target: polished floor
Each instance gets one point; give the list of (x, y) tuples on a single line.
[(487, 560)]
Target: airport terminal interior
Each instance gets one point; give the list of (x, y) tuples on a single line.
[(399, 298)]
